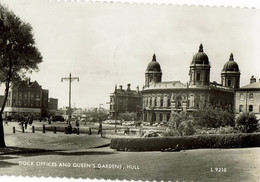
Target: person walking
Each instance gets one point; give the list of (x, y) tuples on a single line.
[(26, 123), (100, 128), (6, 121), (77, 123)]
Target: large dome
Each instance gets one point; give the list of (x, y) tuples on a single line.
[(231, 65), (154, 65), (200, 57)]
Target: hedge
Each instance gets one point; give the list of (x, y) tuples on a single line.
[(187, 142)]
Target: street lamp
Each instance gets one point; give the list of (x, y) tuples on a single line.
[(70, 79)]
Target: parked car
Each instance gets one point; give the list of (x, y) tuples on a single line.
[(151, 134), (57, 118)]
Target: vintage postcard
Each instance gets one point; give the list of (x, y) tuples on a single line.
[(124, 91)]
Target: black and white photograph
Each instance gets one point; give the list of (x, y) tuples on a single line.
[(129, 91)]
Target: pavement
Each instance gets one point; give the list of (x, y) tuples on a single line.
[(39, 141)]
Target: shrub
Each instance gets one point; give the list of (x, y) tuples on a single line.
[(171, 132), (247, 122), (186, 128), (226, 130), (187, 142)]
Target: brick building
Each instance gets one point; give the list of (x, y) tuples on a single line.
[(53, 104), (125, 100), (27, 99)]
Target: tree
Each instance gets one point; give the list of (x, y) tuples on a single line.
[(128, 116), (96, 115), (247, 122), (18, 54), (214, 116), (177, 118)]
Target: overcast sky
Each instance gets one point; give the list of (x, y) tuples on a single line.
[(106, 44)]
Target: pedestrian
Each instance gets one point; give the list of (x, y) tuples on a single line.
[(77, 123), (25, 124), (6, 121), (100, 128), (22, 122), (30, 120)]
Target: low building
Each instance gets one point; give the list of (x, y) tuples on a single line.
[(247, 98)]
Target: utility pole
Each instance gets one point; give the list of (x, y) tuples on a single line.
[(70, 79)]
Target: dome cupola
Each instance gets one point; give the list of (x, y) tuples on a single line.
[(231, 65), (153, 65), (200, 57), (153, 72), (230, 75)]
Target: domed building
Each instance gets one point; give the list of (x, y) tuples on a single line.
[(230, 75), (161, 98)]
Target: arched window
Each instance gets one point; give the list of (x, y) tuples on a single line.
[(229, 83), (155, 102), (198, 76), (161, 102), (150, 101), (178, 102), (168, 116)]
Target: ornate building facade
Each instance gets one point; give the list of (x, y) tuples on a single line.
[(160, 99)]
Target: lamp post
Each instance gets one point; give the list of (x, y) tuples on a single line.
[(70, 79)]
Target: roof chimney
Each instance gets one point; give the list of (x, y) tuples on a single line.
[(115, 89), (252, 79), (128, 86), (121, 87), (137, 89)]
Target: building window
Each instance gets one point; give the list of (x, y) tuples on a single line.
[(169, 102), (198, 77), (161, 116), (155, 102), (229, 83), (168, 116), (240, 108), (161, 102), (196, 103), (251, 96), (242, 96), (150, 102), (206, 77), (250, 108)]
